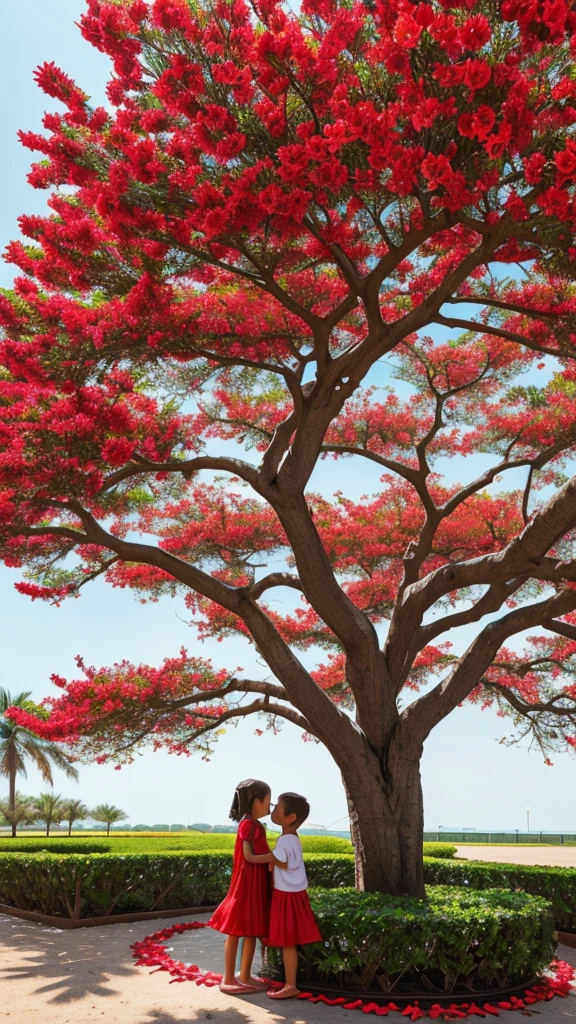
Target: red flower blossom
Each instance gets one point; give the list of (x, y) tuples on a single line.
[(407, 31)]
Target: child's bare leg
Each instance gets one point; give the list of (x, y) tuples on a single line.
[(246, 977), (230, 954), (248, 950), (290, 958), (289, 991)]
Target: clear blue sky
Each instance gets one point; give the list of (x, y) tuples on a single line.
[(469, 779)]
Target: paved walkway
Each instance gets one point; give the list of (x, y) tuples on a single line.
[(73, 977), (557, 856)]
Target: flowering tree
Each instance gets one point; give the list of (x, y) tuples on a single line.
[(271, 203)]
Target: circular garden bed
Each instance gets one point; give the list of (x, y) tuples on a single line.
[(457, 942), (476, 942)]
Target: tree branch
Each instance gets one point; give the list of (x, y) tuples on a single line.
[(490, 602), (274, 579), (186, 466), (511, 307), (423, 714), (498, 332), (258, 706), (490, 474), (409, 474), (214, 357), (523, 556), (234, 686), (148, 554), (98, 572), (561, 628), (55, 531), (526, 495), (527, 709), (326, 721)]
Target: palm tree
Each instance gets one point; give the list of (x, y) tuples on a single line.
[(18, 744), (108, 814), (49, 808), (74, 810), (22, 812)]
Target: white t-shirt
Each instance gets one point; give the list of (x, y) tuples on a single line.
[(291, 877)]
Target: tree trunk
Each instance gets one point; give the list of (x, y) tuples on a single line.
[(47, 828), (12, 797), (108, 829), (387, 824), (69, 828)]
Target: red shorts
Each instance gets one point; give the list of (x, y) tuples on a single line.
[(292, 922)]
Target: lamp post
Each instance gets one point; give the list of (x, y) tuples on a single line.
[(528, 820)]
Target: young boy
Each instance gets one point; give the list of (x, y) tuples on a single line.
[(292, 922)]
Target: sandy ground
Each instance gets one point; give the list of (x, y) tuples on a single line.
[(557, 856), (69, 977)]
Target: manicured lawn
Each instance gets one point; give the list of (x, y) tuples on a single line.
[(166, 842)]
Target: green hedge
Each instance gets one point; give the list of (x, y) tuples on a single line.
[(456, 939), (102, 883), (558, 885), (443, 850), (94, 885)]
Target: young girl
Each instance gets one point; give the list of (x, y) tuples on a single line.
[(245, 912)]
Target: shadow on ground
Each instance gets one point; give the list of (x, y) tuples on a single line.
[(88, 976), (51, 959), (292, 1014), (159, 1016)]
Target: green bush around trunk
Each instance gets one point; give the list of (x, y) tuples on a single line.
[(456, 940), (209, 842), (558, 885)]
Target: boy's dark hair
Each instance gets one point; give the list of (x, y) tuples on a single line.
[(295, 804), (246, 793)]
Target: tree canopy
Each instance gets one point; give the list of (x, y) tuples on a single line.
[(271, 203)]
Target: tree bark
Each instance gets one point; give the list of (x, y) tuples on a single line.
[(387, 824), (12, 797)]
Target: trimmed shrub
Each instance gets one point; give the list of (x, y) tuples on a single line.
[(103, 883), (443, 850), (558, 885), (329, 871), (454, 940), (96, 885)]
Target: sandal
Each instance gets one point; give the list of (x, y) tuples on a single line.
[(278, 994), (237, 989)]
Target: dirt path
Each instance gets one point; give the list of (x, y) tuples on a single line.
[(88, 975), (556, 856)]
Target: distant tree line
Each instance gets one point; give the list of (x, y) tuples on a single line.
[(50, 809)]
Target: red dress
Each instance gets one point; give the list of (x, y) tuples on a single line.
[(246, 909), (292, 922)]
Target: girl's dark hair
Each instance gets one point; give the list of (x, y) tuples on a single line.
[(246, 793)]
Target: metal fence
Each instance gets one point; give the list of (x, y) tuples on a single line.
[(507, 837)]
